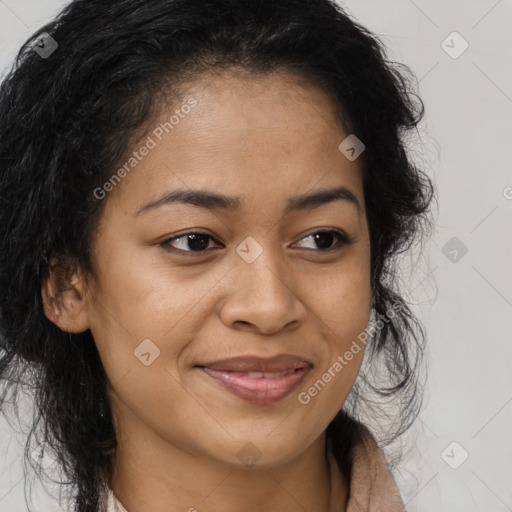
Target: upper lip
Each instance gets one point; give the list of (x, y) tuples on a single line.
[(280, 363)]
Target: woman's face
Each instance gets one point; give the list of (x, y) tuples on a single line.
[(257, 283)]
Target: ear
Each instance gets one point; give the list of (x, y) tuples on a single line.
[(64, 298)]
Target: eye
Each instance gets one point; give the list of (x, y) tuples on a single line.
[(325, 238), (197, 242)]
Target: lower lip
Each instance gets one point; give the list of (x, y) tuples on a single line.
[(258, 390)]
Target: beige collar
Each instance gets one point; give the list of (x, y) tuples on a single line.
[(372, 486)]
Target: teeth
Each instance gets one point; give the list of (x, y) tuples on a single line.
[(267, 375)]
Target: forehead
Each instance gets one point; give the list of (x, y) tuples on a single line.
[(242, 134), (238, 104)]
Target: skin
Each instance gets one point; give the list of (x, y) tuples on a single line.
[(263, 139)]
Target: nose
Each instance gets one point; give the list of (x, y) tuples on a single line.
[(263, 296)]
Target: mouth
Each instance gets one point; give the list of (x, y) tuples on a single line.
[(258, 380)]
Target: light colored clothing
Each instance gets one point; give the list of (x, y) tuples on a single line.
[(372, 486)]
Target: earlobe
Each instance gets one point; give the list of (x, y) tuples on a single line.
[(64, 301)]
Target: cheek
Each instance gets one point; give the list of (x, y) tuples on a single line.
[(147, 317), (343, 305), (143, 296), (344, 315), (342, 300)]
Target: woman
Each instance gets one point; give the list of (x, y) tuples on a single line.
[(172, 171)]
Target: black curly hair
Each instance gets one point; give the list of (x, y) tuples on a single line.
[(70, 117)]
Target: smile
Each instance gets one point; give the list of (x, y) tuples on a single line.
[(258, 387)]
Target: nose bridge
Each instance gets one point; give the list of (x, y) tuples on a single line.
[(261, 293), (261, 268)]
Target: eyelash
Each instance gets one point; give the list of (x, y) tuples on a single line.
[(343, 239)]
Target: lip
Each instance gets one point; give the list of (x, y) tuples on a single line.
[(282, 362), (258, 390), (232, 375)]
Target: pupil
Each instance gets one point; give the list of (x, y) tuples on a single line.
[(194, 242), (320, 239)]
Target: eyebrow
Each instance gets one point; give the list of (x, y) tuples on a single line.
[(216, 201)]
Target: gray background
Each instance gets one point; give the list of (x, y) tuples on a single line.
[(465, 300)]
